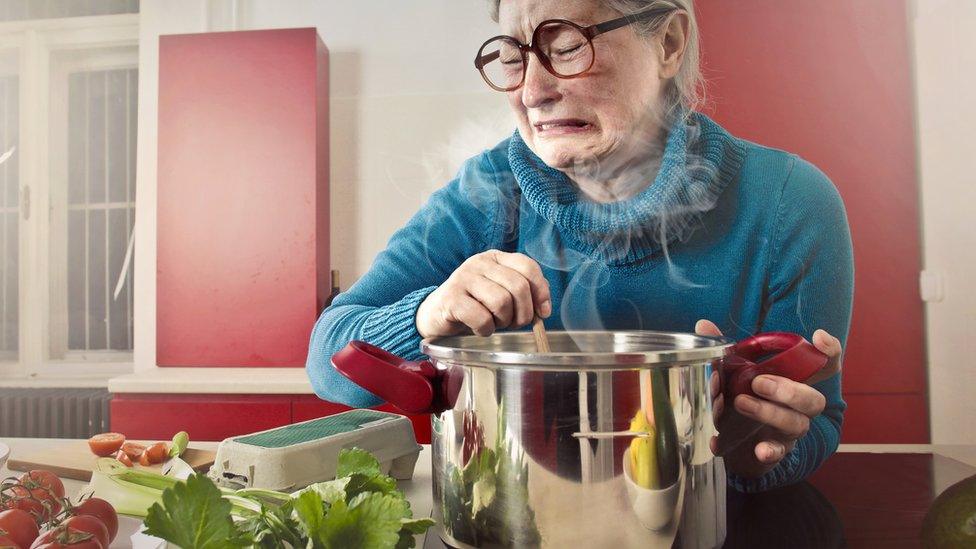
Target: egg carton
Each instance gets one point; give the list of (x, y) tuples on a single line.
[(291, 457)]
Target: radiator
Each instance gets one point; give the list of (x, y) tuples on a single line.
[(53, 413)]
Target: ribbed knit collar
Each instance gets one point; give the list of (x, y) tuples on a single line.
[(699, 160)]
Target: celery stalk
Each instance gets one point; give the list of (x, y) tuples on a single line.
[(128, 498)]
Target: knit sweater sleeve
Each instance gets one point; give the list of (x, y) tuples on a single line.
[(380, 308), (810, 287)]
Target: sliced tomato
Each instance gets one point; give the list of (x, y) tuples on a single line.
[(133, 450), (103, 511), (157, 453), (106, 444), (123, 458)]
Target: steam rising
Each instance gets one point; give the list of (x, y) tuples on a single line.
[(681, 193)]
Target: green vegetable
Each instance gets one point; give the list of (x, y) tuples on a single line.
[(197, 502), (128, 497), (180, 440), (486, 503), (666, 437), (362, 508), (368, 521)]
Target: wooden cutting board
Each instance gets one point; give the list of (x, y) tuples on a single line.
[(73, 459)]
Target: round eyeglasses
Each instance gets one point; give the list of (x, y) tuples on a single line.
[(564, 48)]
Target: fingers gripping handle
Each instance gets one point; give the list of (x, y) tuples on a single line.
[(777, 353)]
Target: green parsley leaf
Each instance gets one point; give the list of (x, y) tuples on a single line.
[(356, 460), (194, 516), (370, 521), (360, 484), (329, 491), (311, 511)]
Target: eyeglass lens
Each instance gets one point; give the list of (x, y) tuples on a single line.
[(567, 51)]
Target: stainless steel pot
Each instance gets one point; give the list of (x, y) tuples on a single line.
[(602, 442)]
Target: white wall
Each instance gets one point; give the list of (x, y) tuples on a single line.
[(406, 107), (403, 91), (945, 69)]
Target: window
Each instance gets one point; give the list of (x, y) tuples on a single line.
[(68, 99), (9, 212), (17, 10)]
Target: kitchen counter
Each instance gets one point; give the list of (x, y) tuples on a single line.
[(866, 495), (417, 489)]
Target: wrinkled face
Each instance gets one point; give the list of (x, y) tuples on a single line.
[(598, 117)]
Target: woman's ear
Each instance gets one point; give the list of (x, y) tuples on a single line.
[(674, 40)]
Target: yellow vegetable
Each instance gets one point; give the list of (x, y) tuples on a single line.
[(643, 454)]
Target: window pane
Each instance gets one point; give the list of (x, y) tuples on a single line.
[(18, 10), (9, 220), (101, 207)]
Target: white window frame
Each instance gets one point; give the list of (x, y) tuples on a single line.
[(41, 47)]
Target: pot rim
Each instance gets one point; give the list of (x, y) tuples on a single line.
[(637, 349)]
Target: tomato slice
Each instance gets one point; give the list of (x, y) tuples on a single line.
[(106, 444), (133, 450), (157, 453), (123, 458)]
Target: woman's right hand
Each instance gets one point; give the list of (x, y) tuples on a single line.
[(489, 291)]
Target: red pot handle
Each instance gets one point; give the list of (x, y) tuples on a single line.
[(778, 353), (410, 386)]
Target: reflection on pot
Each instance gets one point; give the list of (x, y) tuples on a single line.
[(654, 507), (486, 503), (651, 464)]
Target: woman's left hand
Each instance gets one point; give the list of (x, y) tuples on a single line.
[(785, 408)]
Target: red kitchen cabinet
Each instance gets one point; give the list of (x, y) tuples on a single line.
[(216, 417), (243, 197), (203, 417), (831, 81)]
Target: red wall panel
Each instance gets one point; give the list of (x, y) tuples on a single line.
[(242, 219), (203, 417), (831, 81), (216, 417), (903, 418)]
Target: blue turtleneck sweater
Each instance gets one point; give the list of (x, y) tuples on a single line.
[(751, 238)]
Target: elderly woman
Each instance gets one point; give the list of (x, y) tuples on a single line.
[(615, 205)]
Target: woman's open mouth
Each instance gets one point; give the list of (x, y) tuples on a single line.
[(562, 126)]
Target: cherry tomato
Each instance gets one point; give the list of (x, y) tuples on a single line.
[(65, 536), (6, 542), (39, 478), (144, 459), (157, 453), (37, 503), (106, 444), (103, 511), (86, 543), (18, 526), (39, 493), (133, 450), (91, 525)]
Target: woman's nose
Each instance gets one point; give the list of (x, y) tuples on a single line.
[(540, 86)]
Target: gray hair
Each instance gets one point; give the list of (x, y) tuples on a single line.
[(687, 88)]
